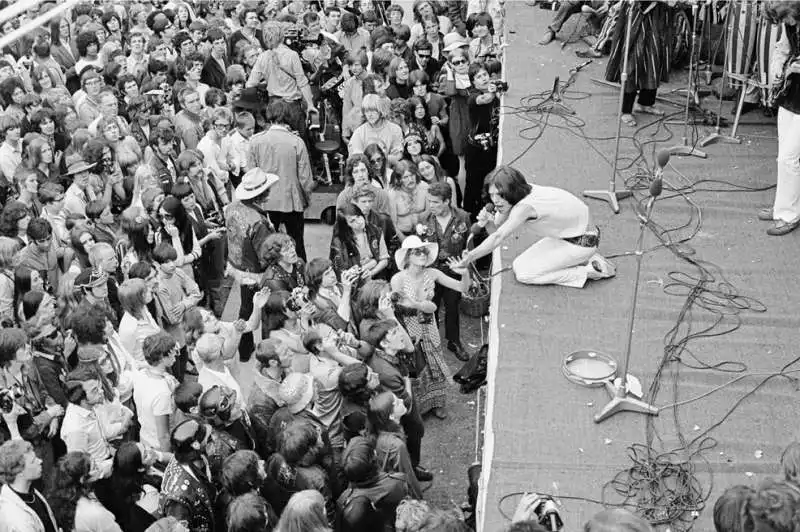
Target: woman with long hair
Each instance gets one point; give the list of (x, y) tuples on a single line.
[(25, 280), (176, 229), (61, 44), (136, 244), (383, 425), (137, 323), (398, 79), (8, 248), (305, 512), (332, 299), (358, 246), (73, 500), (431, 171), (39, 158), (14, 222), (417, 281), (132, 489), (409, 196), (422, 123)]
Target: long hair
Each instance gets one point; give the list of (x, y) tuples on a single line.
[(275, 312), (315, 271), (437, 167), (510, 183), (370, 151), (400, 170), (369, 297), (343, 229), (13, 212), (790, 463), (173, 206), (305, 512), (127, 480), (776, 11), (731, 513), (353, 161), (71, 471), (135, 227)]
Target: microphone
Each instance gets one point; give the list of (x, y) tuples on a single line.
[(478, 227), (657, 184)]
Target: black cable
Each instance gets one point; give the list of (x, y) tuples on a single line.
[(663, 485)]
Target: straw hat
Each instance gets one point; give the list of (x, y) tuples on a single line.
[(254, 183), (296, 390), (454, 40), (415, 242)]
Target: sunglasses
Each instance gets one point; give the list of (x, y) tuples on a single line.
[(458, 62)]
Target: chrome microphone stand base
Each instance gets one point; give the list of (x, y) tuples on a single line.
[(716, 136), (622, 401), (612, 196)]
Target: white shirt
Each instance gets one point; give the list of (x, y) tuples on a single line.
[(209, 377), (152, 395), (81, 431)]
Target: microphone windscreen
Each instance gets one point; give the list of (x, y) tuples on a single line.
[(662, 158), (656, 187), (490, 208)]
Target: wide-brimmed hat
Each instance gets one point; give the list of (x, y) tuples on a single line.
[(454, 40), (250, 98), (415, 242), (255, 182), (296, 390), (78, 165)]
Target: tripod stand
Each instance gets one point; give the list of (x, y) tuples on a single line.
[(685, 149), (716, 136), (612, 196)]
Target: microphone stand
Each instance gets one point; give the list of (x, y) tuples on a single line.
[(684, 149), (612, 196), (621, 399), (716, 136)]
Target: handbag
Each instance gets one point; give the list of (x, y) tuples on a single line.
[(416, 361)]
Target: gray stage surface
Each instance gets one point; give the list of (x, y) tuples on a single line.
[(540, 435)]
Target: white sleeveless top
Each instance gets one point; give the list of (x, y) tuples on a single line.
[(560, 214)]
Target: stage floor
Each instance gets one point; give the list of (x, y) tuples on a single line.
[(540, 435)]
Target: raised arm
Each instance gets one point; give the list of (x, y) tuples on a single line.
[(519, 214)]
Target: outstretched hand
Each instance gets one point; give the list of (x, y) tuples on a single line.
[(261, 297), (459, 265)]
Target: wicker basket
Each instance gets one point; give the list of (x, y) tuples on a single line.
[(475, 303)]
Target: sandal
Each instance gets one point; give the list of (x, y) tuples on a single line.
[(628, 120), (648, 110)]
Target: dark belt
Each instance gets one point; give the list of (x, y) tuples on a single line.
[(586, 240)]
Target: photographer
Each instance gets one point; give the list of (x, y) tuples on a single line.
[(280, 68), (481, 150), (27, 411)]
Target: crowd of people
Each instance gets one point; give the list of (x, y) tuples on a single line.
[(158, 154)]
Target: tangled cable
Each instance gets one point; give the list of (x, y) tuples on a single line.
[(663, 485)]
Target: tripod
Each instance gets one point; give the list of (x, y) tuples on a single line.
[(685, 149), (716, 136), (612, 196)]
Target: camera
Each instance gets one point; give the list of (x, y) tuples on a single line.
[(297, 300), (501, 86), (395, 297), (7, 399), (547, 514)]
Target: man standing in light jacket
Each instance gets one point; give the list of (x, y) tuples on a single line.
[(279, 151), (22, 507)]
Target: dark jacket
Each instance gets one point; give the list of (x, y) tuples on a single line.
[(213, 74), (384, 493), (248, 228), (345, 257), (188, 497), (452, 239), (166, 177)]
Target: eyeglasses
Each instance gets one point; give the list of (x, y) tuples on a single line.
[(457, 62), (221, 125), (420, 251)]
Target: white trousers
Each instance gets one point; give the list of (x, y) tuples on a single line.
[(787, 194), (553, 261)]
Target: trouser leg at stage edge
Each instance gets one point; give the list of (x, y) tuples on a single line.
[(452, 320), (647, 97), (479, 163), (415, 430), (787, 193), (246, 345), (294, 222), (553, 261), (567, 9)]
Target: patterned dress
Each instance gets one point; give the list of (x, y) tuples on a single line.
[(430, 386)]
